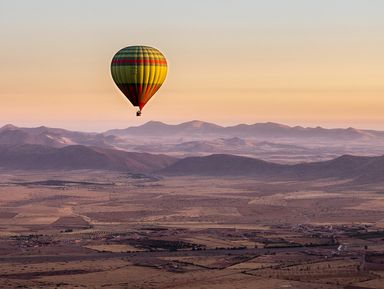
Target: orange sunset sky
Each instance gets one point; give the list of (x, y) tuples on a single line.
[(295, 62)]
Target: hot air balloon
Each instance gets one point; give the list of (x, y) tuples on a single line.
[(139, 71)]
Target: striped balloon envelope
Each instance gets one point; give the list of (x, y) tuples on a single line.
[(139, 71)]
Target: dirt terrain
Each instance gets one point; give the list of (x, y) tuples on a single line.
[(97, 229)]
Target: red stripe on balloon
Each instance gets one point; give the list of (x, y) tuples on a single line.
[(138, 61)]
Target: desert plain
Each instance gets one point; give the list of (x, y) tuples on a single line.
[(99, 229)]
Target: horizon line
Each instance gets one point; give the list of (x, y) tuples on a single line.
[(188, 121)]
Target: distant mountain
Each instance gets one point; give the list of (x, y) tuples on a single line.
[(184, 132), (234, 145), (259, 130), (74, 157), (363, 169), (157, 128), (10, 134), (53, 137)]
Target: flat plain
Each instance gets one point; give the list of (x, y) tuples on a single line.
[(98, 229)]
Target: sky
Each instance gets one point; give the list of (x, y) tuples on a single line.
[(297, 62)]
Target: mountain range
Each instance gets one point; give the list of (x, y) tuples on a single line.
[(200, 148), (257, 130), (268, 141), (57, 137)]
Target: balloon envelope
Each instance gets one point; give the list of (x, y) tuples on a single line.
[(139, 71)]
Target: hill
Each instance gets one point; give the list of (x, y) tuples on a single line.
[(38, 157), (362, 169)]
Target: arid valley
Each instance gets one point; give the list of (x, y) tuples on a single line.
[(90, 229), (170, 221)]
